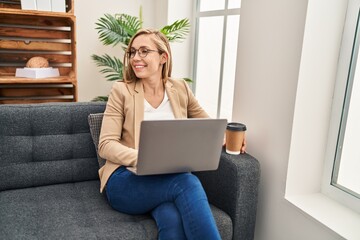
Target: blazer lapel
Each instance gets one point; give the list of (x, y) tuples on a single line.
[(174, 99), (138, 110)]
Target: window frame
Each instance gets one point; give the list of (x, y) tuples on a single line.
[(213, 13), (347, 50), (311, 120)]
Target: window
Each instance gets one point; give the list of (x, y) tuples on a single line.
[(342, 178), (347, 159), (217, 27), (308, 186)]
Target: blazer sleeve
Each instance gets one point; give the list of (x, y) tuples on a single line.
[(111, 144)]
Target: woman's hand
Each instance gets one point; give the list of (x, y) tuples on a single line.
[(243, 147)]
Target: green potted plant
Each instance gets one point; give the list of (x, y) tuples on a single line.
[(118, 29)]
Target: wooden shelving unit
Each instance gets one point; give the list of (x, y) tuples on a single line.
[(28, 33)]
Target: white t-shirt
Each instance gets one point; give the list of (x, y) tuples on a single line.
[(163, 111)]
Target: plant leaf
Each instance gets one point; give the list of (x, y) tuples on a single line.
[(100, 99), (129, 24), (177, 31), (188, 80), (110, 31), (117, 29), (112, 67)]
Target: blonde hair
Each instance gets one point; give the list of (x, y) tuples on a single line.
[(162, 45)]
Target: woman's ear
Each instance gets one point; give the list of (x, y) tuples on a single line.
[(164, 58)]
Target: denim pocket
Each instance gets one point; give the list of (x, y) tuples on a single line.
[(118, 171)]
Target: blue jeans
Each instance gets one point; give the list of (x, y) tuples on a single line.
[(177, 202)]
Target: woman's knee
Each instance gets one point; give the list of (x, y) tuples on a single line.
[(167, 213), (169, 221)]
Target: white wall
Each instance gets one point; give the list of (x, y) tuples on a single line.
[(182, 52), (90, 82), (270, 48)]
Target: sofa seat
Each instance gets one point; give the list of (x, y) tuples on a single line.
[(75, 211)]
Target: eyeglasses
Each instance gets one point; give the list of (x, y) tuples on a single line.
[(143, 52)]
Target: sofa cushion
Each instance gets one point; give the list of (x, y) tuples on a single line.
[(95, 120), (67, 211), (46, 144), (76, 211)]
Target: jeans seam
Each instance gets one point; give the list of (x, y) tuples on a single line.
[(184, 200)]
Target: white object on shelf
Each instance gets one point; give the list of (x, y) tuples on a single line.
[(58, 6), (37, 72), (28, 5), (43, 5)]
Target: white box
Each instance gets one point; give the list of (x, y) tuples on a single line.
[(43, 5), (28, 5), (58, 6), (37, 72)]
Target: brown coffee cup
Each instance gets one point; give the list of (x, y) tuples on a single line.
[(235, 133)]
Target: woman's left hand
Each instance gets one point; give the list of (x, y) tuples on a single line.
[(243, 147)]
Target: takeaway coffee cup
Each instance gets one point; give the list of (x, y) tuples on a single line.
[(234, 137)]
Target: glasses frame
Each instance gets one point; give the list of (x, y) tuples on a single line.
[(142, 54)]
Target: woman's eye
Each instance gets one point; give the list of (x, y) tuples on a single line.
[(142, 51)]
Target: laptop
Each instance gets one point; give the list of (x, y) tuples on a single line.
[(179, 145)]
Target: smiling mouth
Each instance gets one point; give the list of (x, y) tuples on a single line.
[(139, 66)]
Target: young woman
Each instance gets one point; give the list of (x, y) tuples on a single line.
[(177, 202)]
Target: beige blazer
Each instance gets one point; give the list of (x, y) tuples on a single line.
[(119, 136)]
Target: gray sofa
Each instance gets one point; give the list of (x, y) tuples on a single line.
[(49, 186)]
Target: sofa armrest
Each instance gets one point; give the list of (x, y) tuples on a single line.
[(233, 188)]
